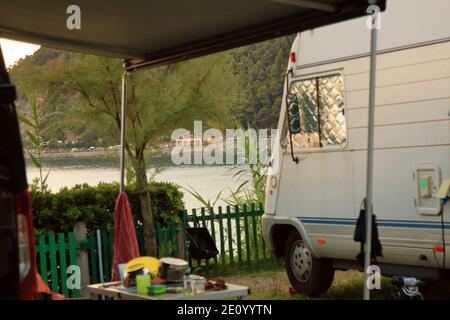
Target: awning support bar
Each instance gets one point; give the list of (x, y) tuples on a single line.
[(370, 139), (316, 5), (123, 113)]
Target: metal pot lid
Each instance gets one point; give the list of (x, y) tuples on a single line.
[(174, 262)]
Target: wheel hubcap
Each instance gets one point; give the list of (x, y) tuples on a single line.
[(301, 261)]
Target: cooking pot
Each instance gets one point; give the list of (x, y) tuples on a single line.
[(172, 269)]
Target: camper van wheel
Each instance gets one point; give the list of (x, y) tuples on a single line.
[(308, 275)]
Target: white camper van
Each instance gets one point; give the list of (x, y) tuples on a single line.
[(316, 182)]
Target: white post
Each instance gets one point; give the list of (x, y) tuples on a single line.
[(370, 139), (100, 257), (122, 130), (82, 257)]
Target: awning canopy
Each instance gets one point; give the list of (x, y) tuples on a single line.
[(156, 32)]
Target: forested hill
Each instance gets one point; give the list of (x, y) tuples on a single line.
[(243, 84), (260, 71)]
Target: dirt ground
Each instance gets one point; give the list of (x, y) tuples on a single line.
[(263, 285)]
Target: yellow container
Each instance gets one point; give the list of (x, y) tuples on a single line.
[(149, 263)]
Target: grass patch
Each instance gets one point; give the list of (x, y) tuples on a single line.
[(260, 268), (273, 284), (350, 285)]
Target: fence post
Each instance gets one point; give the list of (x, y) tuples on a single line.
[(53, 262), (255, 232), (238, 236), (203, 216), (79, 230), (181, 248), (43, 258), (63, 263), (230, 236), (185, 244), (213, 231), (222, 241), (247, 237)]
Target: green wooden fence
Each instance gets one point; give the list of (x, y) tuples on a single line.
[(236, 232), (54, 255)]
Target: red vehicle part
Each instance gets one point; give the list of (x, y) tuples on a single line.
[(27, 253)]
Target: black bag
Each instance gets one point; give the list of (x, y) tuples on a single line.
[(359, 235), (200, 244)]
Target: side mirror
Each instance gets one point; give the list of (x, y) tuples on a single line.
[(293, 113)]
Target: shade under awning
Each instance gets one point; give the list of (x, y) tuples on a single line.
[(156, 32)]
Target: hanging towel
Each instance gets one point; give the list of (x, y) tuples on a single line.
[(125, 241)]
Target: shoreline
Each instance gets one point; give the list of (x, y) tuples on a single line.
[(78, 154), (85, 154)]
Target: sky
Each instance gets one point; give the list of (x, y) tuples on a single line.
[(15, 50)]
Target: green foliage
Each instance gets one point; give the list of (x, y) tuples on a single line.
[(94, 205), (259, 71), (167, 202), (34, 118), (252, 176), (205, 203)]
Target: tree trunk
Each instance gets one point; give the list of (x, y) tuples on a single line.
[(149, 225), (146, 209)]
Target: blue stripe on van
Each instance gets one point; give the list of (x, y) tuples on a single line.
[(381, 223)]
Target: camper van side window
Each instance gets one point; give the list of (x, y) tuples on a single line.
[(321, 111)]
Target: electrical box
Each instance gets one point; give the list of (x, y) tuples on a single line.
[(426, 184)]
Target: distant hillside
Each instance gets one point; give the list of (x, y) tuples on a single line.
[(28, 74)]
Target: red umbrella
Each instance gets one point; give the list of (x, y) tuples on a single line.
[(125, 242)]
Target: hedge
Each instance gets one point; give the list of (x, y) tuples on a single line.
[(94, 205)]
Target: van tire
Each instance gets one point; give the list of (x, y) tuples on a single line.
[(308, 275)]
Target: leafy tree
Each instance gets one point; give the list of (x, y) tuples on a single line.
[(28, 75), (159, 101)]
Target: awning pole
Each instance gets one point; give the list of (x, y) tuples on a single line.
[(100, 258), (122, 130), (370, 138)]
